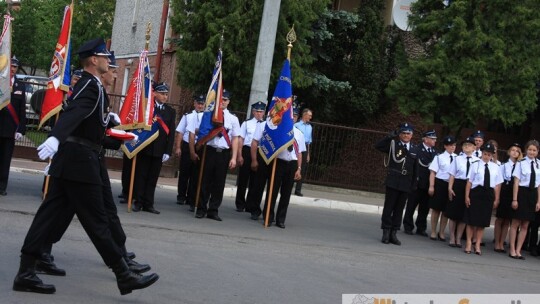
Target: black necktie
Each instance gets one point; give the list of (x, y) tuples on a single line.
[(451, 158), (533, 176), (468, 165), (486, 177)]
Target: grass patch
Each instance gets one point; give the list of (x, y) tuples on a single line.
[(37, 137)]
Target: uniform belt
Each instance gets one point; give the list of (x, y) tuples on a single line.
[(218, 150), (84, 142)]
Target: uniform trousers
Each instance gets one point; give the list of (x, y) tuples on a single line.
[(419, 198), (126, 175), (117, 232), (146, 178), (186, 185), (215, 169), (255, 193), (298, 188), (245, 177), (64, 198), (6, 152), (394, 202), (283, 184)]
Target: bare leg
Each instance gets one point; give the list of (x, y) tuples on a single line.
[(468, 245), (452, 226), (479, 235), (521, 237), (497, 232), (444, 221), (504, 231), (513, 235), (434, 220), (459, 232)]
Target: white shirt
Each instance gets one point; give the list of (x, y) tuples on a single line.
[(193, 121), (506, 170), (523, 172), (247, 129), (257, 135), (301, 143), (476, 174), (231, 124), (441, 165), (458, 168)]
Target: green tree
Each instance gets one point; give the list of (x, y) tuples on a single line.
[(199, 25), (354, 62), (480, 62), (37, 25)]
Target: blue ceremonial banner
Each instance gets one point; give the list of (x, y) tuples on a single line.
[(213, 115), (278, 133), (66, 80), (145, 138)]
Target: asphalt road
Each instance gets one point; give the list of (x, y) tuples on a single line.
[(321, 254)]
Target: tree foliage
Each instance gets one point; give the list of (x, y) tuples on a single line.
[(37, 25), (481, 62), (354, 62), (199, 25)]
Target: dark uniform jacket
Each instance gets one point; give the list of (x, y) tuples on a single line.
[(401, 175), (18, 101), (424, 158), (86, 118), (164, 143)]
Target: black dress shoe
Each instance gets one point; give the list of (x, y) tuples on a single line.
[(151, 210), (191, 209), (130, 255), (200, 214), (298, 193), (254, 216), (30, 282), (122, 201), (136, 208), (409, 232), (280, 225), (181, 201), (136, 267), (3, 192), (214, 217), (239, 209), (46, 266), (422, 233)]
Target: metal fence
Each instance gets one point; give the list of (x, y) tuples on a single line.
[(340, 156)]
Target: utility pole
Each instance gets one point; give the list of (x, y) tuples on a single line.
[(265, 53)]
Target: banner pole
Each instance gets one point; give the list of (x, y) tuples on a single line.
[(199, 182), (131, 181), (270, 192)]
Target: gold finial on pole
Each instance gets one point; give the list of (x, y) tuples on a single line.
[(148, 30), (291, 37)]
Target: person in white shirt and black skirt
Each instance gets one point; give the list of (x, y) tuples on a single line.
[(524, 197), (481, 196)]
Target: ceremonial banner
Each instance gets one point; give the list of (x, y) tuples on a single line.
[(212, 119), (278, 133), (137, 110), (145, 138), (59, 74), (5, 66)]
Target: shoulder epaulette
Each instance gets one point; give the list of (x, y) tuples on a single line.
[(475, 161), (522, 159), (186, 113)]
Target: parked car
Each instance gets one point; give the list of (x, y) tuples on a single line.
[(32, 85)]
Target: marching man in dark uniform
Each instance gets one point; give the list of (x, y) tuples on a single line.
[(76, 179), (400, 179), (12, 125), (245, 175), (156, 153), (420, 197)]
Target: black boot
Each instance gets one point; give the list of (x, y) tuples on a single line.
[(27, 280), (136, 267), (393, 238), (47, 266), (385, 236), (131, 255), (128, 280)]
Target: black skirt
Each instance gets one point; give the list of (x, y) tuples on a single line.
[(505, 211), (456, 208), (479, 212), (526, 204), (440, 198)]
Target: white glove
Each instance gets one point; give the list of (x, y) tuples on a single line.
[(46, 170), (134, 140), (165, 158), (48, 148), (115, 118), (18, 136)]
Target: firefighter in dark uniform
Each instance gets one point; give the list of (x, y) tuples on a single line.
[(151, 158), (420, 197), (400, 179), (76, 179), (12, 124)]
